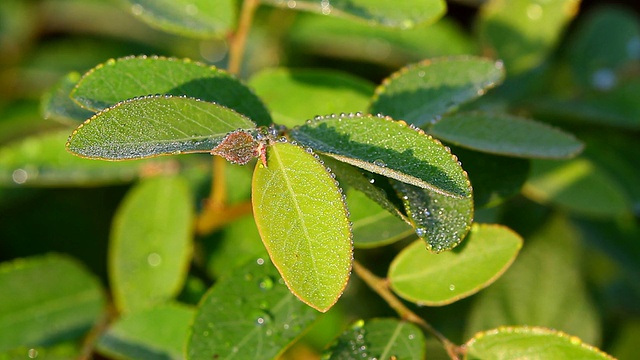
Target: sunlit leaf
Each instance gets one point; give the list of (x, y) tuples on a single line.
[(506, 135), (439, 279), (150, 245), (389, 148), (47, 299), (420, 93), (379, 339), (302, 219), (198, 18), (507, 343), (249, 314), (405, 14), (117, 80), (155, 125)]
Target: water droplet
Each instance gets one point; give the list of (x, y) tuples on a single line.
[(32, 353), (291, 4), (260, 261), (575, 340), (20, 176), (426, 212), (285, 326), (260, 321), (534, 11), (421, 231), (265, 283), (317, 118), (452, 287), (604, 79), (372, 181), (412, 336), (309, 150), (379, 162), (154, 259), (421, 73)]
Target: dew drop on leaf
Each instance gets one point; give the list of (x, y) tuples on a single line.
[(379, 162), (421, 231)]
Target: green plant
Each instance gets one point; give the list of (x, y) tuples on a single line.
[(327, 162)]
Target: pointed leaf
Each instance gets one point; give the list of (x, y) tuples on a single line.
[(138, 336), (302, 219), (47, 299), (404, 14), (150, 245), (530, 343), (389, 148), (127, 78), (506, 135), (442, 221), (248, 315), (197, 18), (429, 279), (420, 93), (155, 125), (379, 339), (294, 96)]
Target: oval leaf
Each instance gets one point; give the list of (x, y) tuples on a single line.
[(155, 125), (506, 135), (425, 278), (294, 96), (198, 18), (127, 78), (442, 221), (150, 244), (402, 14), (389, 148), (421, 93), (248, 315), (507, 343), (47, 299), (379, 339), (302, 219)]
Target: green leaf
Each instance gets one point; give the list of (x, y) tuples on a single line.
[(440, 279), (47, 299), (389, 148), (302, 219), (405, 14), (155, 125), (248, 315), (196, 18), (523, 32), (156, 333), (379, 339), (578, 185), (422, 92), (506, 135), (41, 160), (116, 80), (530, 343), (543, 287), (294, 96), (442, 221), (150, 246), (57, 105)]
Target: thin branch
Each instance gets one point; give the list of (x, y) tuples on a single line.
[(238, 40)]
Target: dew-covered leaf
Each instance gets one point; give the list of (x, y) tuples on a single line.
[(389, 148), (420, 93), (250, 314), (543, 287), (150, 245), (379, 339), (294, 96), (57, 104), (47, 299), (578, 185), (398, 14), (196, 18), (302, 219), (117, 80), (156, 125), (158, 333), (440, 279), (523, 32), (441, 221), (41, 160), (508, 135), (525, 342)]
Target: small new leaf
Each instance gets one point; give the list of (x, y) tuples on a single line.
[(238, 147)]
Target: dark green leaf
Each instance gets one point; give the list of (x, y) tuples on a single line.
[(150, 245), (508, 135), (127, 78), (422, 92), (46, 299), (302, 219), (389, 148), (440, 279), (155, 125), (248, 315)]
